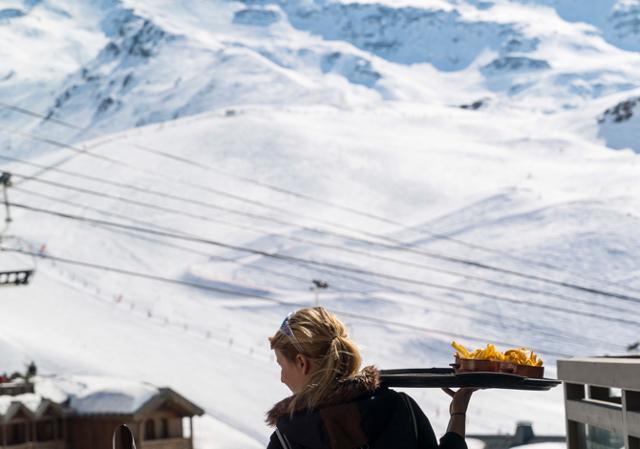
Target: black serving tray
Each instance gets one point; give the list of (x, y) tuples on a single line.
[(447, 378)]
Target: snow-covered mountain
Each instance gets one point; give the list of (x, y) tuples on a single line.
[(415, 155), (110, 65)]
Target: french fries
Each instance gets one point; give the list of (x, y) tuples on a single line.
[(518, 356)]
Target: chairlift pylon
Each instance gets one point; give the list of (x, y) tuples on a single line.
[(5, 182), (16, 277)]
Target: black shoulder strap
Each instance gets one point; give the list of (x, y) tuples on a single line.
[(284, 442), (412, 413)]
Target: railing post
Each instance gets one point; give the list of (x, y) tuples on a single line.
[(630, 403), (575, 430)]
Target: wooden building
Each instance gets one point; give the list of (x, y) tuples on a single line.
[(25, 428), (28, 421)]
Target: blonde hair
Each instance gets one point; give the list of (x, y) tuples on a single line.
[(323, 338)]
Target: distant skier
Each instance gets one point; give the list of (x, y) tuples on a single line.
[(335, 405)]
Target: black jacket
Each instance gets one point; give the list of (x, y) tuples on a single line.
[(360, 414)]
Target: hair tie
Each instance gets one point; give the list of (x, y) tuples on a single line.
[(336, 336)]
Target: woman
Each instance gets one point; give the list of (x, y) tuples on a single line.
[(335, 405)]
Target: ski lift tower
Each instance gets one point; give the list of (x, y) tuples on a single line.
[(316, 286), (10, 277)]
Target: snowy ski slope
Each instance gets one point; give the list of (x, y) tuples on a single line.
[(210, 142)]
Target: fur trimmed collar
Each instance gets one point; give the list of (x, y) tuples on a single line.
[(345, 390)]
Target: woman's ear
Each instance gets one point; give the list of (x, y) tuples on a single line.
[(303, 363)]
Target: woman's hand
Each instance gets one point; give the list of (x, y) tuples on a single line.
[(460, 400)]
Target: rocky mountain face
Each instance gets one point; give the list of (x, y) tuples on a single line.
[(619, 125), (129, 64)]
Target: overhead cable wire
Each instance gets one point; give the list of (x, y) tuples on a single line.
[(231, 260), (338, 235), (322, 264), (333, 247), (24, 111), (220, 172), (278, 189), (161, 242), (398, 245), (445, 307), (208, 167), (57, 121), (221, 193), (331, 272), (256, 296), (455, 306)]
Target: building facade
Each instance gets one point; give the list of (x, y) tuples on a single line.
[(163, 421)]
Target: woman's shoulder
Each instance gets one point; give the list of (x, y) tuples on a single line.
[(362, 384)]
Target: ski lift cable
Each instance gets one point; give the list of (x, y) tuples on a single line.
[(155, 241), (221, 258), (369, 243), (144, 223), (361, 317), (41, 116), (296, 260), (263, 232), (453, 306), (205, 254), (322, 264), (153, 173), (403, 247), (250, 180), (177, 158), (438, 286), (331, 204)]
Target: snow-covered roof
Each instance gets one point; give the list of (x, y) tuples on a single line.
[(30, 400), (101, 395), (91, 395)]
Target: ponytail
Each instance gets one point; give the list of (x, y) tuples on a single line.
[(323, 338)]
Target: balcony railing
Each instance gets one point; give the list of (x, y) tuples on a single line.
[(167, 443), (14, 389)]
